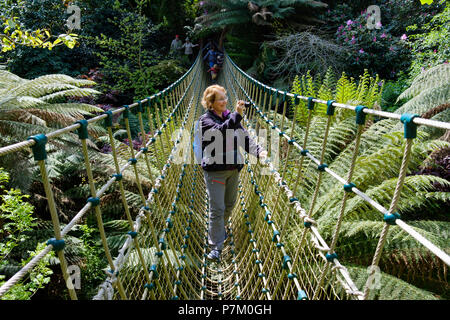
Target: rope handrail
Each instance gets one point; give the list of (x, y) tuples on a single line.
[(310, 223), (29, 143), (163, 256), (429, 245), (12, 148), (384, 114)]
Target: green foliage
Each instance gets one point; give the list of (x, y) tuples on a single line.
[(33, 106), (428, 91), (191, 8), (436, 77), (241, 49), (390, 288), (366, 92), (381, 50), (431, 45), (13, 35), (221, 13), (15, 217), (94, 262), (34, 62), (29, 107), (165, 73), (391, 92), (15, 31), (39, 276), (17, 221), (376, 174), (123, 60), (171, 14), (128, 66)]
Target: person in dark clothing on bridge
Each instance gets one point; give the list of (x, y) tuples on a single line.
[(211, 57)]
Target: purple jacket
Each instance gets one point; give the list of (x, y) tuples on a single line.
[(230, 135)]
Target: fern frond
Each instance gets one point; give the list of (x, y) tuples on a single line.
[(37, 91), (20, 130), (427, 99), (117, 226), (84, 108), (345, 89), (327, 89), (8, 79), (70, 93), (60, 78), (390, 288), (434, 77), (115, 242), (22, 102)]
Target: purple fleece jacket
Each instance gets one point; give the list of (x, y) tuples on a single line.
[(219, 126)]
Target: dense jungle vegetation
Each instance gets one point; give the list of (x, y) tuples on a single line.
[(52, 75)]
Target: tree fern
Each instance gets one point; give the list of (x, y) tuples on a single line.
[(376, 173), (302, 111), (31, 101), (223, 13), (363, 86), (402, 256), (326, 90), (434, 77), (70, 93), (390, 288)]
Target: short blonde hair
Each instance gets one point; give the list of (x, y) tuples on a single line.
[(209, 95)]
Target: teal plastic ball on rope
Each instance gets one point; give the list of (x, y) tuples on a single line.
[(390, 218), (58, 245), (38, 148)]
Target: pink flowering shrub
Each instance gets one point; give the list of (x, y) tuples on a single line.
[(384, 49)]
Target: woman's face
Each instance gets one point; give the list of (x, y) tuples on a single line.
[(220, 103)]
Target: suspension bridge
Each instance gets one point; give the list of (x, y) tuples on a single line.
[(275, 249)]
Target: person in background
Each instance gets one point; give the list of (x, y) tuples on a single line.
[(210, 57), (175, 46), (214, 71), (221, 174), (188, 49), (219, 59), (209, 44)]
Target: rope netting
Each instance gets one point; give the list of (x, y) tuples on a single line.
[(274, 249)]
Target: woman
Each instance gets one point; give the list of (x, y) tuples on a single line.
[(221, 161), (188, 49)]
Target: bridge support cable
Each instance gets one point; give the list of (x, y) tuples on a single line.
[(38, 143), (245, 81), (274, 249)]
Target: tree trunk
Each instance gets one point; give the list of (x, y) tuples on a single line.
[(222, 37)]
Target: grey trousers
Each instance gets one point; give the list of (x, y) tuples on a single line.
[(222, 187)]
